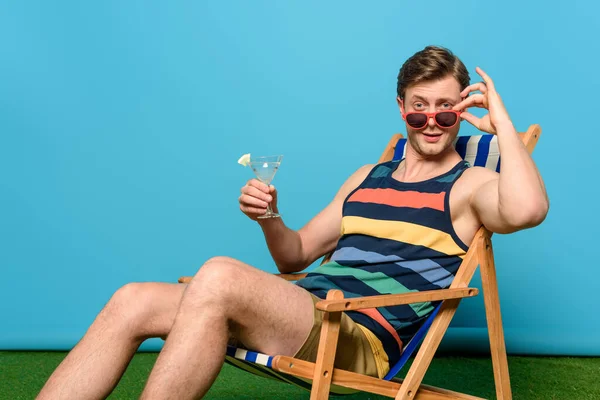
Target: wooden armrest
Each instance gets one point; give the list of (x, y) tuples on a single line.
[(287, 277), (394, 299)]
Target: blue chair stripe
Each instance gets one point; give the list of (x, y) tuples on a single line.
[(251, 356), (483, 150), (230, 351), (410, 348), (498, 167), (399, 151), (461, 145)]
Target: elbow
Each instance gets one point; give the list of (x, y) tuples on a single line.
[(529, 216), (535, 217), (540, 213), (289, 268)]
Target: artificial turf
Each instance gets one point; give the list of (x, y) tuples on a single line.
[(22, 375)]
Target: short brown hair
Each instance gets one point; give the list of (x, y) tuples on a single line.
[(430, 64)]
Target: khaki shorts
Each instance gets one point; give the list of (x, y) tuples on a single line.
[(358, 349)]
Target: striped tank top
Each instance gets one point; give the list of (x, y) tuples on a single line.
[(396, 237)]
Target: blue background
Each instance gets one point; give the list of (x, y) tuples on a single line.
[(121, 124)]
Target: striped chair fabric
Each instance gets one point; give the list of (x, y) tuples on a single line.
[(478, 150), (261, 364)]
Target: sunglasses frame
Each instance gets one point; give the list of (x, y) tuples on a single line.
[(432, 115)]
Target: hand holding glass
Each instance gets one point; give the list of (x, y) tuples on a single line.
[(265, 169)]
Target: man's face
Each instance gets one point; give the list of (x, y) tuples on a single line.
[(430, 97)]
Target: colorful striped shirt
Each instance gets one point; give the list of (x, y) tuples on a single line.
[(396, 237)]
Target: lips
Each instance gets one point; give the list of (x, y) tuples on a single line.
[(432, 137)]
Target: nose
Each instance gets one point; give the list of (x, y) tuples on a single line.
[(431, 122)]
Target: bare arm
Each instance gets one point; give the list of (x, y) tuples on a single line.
[(516, 198), (292, 250)]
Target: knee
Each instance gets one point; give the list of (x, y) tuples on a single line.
[(216, 280), (129, 304), (216, 272), (219, 261)]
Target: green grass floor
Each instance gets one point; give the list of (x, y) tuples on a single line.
[(22, 374)]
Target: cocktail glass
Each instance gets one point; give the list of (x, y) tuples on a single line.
[(265, 169)]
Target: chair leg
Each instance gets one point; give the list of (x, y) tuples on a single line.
[(326, 354), (414, 377), (491, 298)]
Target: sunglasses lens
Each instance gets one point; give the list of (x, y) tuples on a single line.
[(416, 120), (446, 119)]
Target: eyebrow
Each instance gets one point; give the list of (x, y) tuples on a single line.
[(441, 100)]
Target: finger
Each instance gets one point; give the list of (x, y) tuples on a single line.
[(253, 210), (273, 192), (477, 100), (470, 118), (249, 201), (255, 192), (488, 81), (258, 184), (472, 88)]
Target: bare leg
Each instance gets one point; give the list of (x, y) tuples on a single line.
[(93, 368), (266, 313)]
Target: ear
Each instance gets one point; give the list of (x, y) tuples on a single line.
[(401, 105)]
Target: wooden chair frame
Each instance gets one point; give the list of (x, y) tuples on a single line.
[(480, 253)]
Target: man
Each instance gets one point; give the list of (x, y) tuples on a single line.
[(405, 226)]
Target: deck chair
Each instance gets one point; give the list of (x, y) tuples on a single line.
[(322, 379)]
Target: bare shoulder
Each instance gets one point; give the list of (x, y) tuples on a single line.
[(474, 177), (354, 180), (362, 172)]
